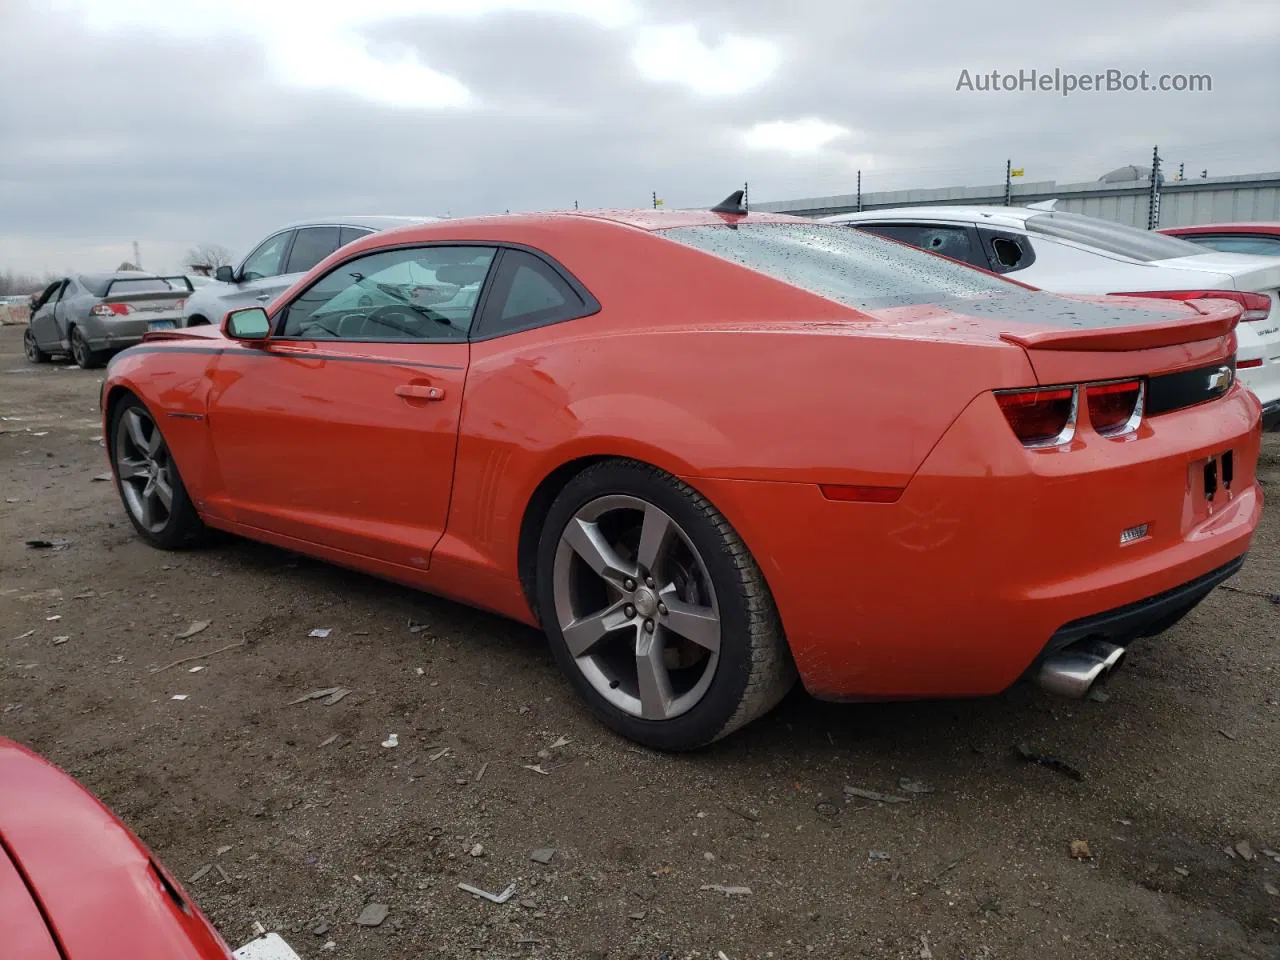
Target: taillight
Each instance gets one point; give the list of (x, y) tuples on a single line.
[(110, 309), (1115, 408), (180, 304), (1255, 306), (1249, 364), (1040, 418)]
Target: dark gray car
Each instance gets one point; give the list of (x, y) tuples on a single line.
[(275, 263), (91, 316)]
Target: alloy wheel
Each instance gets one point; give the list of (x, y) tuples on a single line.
[(79, 349), (636, 607), (30, 347), (145, 470)]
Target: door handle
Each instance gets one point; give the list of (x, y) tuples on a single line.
[(263, 298), (419, 391)]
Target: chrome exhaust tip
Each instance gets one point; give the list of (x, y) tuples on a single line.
[(1073, 671)]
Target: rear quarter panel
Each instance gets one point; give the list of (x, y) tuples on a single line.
[(709, 371)]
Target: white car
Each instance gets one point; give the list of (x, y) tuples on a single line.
[(1070, 253), (279, 260)]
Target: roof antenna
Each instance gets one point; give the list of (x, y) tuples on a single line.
[(731, 204)]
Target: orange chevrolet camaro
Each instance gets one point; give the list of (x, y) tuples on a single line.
[(707, 452)]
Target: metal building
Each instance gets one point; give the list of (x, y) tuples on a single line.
[(1253, 196)]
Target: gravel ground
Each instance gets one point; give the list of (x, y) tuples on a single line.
[(307, 818)]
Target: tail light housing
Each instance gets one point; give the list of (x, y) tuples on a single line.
[(1249, 364), (111, 309), (1115, 408), (1041, 417), (1254, 306)]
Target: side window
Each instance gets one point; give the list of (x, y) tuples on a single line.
[(347, 234), (417, 293), (45, 295), (949, 241), (1007, 251), (266, 260), (529, 292), (311, 245)]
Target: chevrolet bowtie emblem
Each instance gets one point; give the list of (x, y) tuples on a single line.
[(1221, 379)]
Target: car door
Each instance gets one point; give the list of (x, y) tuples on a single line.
[(43, 321), (258, 280), (63, 310), (341, 428)]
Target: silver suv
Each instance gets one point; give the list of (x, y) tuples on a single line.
[(278, 261)]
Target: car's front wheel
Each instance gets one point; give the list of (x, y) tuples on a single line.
[(656, 610), (31, 347), (148, 479)]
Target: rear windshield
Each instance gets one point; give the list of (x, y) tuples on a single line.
[(851, 267), (128, 288), (1114, 238)]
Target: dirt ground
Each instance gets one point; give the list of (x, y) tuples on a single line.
[(307, 818)]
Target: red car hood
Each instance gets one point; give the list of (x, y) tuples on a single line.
[(74, 879)]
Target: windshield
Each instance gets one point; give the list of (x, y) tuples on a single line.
[(1114, 238), (849, 266)]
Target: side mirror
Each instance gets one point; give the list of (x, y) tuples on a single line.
[(251, 323), (225, 274)]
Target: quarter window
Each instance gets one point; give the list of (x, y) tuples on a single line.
[(311, 245), (419, 293), (528, 292), (265, 261)]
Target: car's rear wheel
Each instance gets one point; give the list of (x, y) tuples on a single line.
[(148, 479), (86, 357), (656, 610), (31, 347)]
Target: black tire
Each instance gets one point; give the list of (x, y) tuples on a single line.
[(182, 527), (84, 356), (32, 349), (755, 669), (195, 320)]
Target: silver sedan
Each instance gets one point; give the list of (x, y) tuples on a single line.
[(91, 316)]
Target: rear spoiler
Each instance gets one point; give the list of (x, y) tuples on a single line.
[(1217, 318)]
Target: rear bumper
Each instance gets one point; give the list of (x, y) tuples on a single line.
[(1143, 618), (118, 334), (994, 552)]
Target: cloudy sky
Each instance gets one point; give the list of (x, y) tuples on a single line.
[(171, 122)]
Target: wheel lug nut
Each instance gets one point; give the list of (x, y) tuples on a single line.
[(662, 609), (648, 581), (648, 626), (629, 584), (629, 610)]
